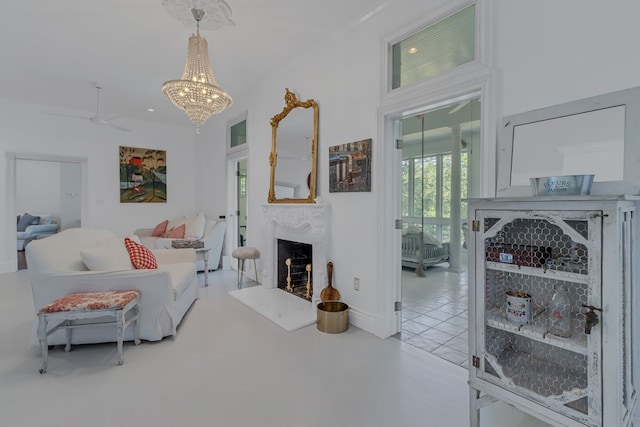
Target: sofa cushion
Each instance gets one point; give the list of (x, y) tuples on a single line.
[(26, 220), (176, 232), (111, 255), (195, 227), (61, 252), (160, 229), (135, 238), (141, 257)]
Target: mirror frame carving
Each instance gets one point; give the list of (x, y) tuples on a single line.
[(292, 102)]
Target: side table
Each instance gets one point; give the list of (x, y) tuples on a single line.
[(202, 254)]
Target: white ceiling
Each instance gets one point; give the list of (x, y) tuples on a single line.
[(52, 50)]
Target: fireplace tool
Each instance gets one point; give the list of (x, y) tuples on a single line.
[(329, 293), (307, 295), (288, 262)]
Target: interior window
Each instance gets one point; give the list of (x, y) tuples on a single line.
[(435, 49), (239, 134)]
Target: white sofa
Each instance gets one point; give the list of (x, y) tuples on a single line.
[(57, 268), (213, 238)]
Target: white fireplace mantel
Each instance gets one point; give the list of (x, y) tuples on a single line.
[(304, 223)]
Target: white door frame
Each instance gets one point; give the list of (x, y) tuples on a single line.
[(12, 158), (232, 200), (481, 81)]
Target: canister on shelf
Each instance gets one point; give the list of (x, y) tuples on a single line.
[(518, 307)]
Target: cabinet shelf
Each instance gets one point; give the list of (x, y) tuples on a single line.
[(537, 330), (543, 377), (538, 272)]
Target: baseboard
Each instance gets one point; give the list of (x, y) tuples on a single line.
[(9, 266), (363, 320), (226, 262)]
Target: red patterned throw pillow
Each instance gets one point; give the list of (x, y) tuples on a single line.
[(141, 257)]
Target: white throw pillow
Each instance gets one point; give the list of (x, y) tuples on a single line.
[(111, 255), (195, 227)]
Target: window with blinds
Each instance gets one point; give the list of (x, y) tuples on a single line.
[(435, 49)]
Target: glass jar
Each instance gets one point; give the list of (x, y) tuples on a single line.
[(560, 312)]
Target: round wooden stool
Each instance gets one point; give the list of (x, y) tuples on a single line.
[(243, 253)]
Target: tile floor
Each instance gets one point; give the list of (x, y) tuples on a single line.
[(434, 313)]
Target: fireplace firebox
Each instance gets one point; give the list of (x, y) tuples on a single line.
[(294, 268)]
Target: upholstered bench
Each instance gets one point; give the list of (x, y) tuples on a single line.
[(89, 305)]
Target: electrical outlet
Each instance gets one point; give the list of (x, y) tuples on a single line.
[(356, 283)]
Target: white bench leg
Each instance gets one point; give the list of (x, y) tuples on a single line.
[(136, 326), (68, 331), (42, 337), (120, 331)]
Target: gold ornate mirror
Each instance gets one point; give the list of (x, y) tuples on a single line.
[(294, 142)]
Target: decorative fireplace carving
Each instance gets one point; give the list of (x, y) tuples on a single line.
[(304, 223)]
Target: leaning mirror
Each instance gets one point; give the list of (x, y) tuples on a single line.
[(591, 136), (294, 141)]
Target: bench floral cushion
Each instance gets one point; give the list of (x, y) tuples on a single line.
[(84, 301)]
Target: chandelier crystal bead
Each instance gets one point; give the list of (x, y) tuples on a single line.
[(197, 93)]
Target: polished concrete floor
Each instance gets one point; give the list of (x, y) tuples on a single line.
[(228, 366)]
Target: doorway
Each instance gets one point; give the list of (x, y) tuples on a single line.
[(241, 200), (237, 192), (440, 147), (52, 185)]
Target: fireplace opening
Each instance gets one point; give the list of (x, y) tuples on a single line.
[(294, 268)]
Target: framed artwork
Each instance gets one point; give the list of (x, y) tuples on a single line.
[(143, 175), (350, 167)]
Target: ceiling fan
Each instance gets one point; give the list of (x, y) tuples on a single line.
[(98, 118)]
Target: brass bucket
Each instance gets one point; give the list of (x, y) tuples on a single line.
[(333, 317)]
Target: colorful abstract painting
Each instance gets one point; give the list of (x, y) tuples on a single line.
[(350, 167), (143, 175)]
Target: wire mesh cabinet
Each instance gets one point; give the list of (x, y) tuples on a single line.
[(551, 306)]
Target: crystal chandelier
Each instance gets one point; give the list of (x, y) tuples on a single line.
[(197, 93)]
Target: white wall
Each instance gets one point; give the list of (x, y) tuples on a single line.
[(546, 52), (550, 52), (344, 77), (23, 129), (37, 187), (70, 195), (544, 56)]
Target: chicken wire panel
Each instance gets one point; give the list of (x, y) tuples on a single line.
[(541, 243), (541, 256)]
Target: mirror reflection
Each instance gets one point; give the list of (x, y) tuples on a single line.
[(293, 152)]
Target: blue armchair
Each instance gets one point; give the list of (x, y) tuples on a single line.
[(45, 225)]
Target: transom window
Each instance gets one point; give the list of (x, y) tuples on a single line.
[(238, 134), (438, 48)]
